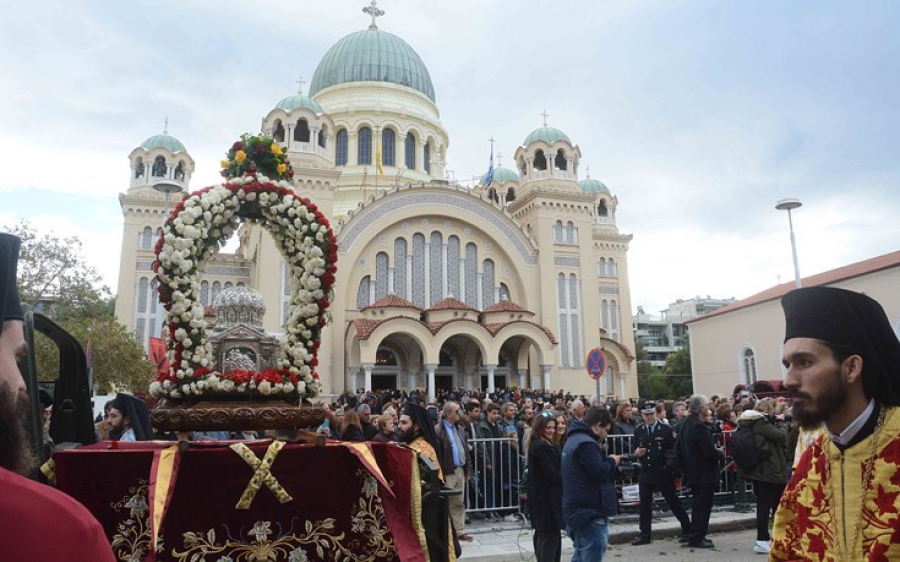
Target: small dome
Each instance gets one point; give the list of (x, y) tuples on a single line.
[(164, 140), (547, 134), (372, 55), (502, 175), (238, 305), (300, 101), (592, 186)]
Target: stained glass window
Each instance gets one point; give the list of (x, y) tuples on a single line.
[(204, 293), (471, 275), (143, 289), (362, 296), (400, 268), (340, 148), (381, 275), (364, 146), (436, 267), (418, 270), (410, 151), (453, 267), (387, 147), (487, 284)]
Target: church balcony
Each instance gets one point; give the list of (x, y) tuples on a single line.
[(308, 147)]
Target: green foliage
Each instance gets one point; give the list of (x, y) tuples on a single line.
[(54, 278), (672, 381)]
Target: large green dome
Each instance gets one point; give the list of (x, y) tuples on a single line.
[(547, 134), (164, 140), (372, 55), (300, 101), (502, 175)]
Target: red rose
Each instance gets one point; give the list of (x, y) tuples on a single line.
[(237, 146)]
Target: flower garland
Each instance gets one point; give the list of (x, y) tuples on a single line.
[(197, 227)]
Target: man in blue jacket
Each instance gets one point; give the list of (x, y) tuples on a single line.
[(589, 490)]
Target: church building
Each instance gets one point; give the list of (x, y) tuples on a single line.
[(510, 283)]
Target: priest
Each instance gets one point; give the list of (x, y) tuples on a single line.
[(843, 370)]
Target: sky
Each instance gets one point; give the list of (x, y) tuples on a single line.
[(699, 116)]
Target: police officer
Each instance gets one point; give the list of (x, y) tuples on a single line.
[(652, 439)]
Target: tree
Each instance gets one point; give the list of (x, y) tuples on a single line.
[(678, 369), (670, 382), (54, 278)]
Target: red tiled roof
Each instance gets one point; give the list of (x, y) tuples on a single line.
[(391, 301), (495, 328), (505, 306), (450, 303), (857, 269), (365, 327)]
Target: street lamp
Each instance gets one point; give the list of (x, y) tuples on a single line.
[(788, 205)]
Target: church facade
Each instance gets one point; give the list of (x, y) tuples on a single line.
[(510, 283)]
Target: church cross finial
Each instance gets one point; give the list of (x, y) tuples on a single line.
[(166, 127), (545, 115), (588, 169), (499, 161), (374, 11), (300, 83)]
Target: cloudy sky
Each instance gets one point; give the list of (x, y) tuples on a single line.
[(698, 115)]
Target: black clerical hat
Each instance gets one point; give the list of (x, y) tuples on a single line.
[(852, 320), (10, 306)]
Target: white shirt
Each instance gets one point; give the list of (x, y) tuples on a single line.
[(851, 430)]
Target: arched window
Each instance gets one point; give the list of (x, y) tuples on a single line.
[(364, 146), (614, 320), (426, 156), (279, 131), (436, 267), (410, 150), (340, 148), (216, 289), (601, 267), (574, 320), (570, 232), (301, 131), (453, 266), (504, 292), (602, 211), (748, 366), (418, 270), (510, 195), (560, 161), (540, 161), (562, 314), (323, 135), (179, 171), (229, 284), (159, 167), (154, 299), (146, 238), (487, 284), (400, 267), (143, 291), (604, 315), (381, 275), (139, 168), (204, 293), (611, 269), (558, 232), (362, 295), (471, 275), (387, 147)]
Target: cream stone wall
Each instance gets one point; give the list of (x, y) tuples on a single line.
[(718, 340)]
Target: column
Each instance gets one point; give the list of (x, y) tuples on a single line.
[(351, 382), (529, 168), (289, 135), (490, 370), (410, 380), (470, 378), (621, 389), (522, 379), (367, 383), (546, 371), (432, 367)]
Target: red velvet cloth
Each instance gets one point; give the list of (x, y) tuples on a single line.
[(325, 483)]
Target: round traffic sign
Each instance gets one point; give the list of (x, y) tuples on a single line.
[(596, 363)]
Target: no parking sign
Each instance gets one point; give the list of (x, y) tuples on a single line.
[(596, 363)]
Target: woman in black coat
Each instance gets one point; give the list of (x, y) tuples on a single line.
[(545, 489)]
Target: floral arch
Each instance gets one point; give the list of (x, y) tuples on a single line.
[(198, 226)]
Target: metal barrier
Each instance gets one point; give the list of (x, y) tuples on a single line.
[(498, 466)]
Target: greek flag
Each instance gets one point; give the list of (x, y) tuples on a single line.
[(489, 176)]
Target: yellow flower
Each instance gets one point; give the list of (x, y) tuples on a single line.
[(281, 168), (240, 156), (276, 149), (225, 163)]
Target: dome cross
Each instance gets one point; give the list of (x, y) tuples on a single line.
[(374, 11), (499, 160), (300, 83), (545, 115), (166, 127)]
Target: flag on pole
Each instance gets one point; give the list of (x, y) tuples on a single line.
[(378, 158), (489, 176)]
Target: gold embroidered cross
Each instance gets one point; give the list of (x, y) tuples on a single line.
[(262, 473)]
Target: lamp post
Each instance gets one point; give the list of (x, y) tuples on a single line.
[(166, 187), (788, 205)]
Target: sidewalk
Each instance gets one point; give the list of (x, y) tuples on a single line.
[(505, 542)]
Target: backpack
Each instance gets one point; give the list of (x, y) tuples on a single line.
[(675, 457), (744, 450)]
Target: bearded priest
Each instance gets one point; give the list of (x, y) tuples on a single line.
[(843, 370)]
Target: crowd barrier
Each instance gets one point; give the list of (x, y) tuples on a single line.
[(496, 486)]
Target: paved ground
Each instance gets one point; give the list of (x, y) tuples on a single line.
[(732, 532)]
